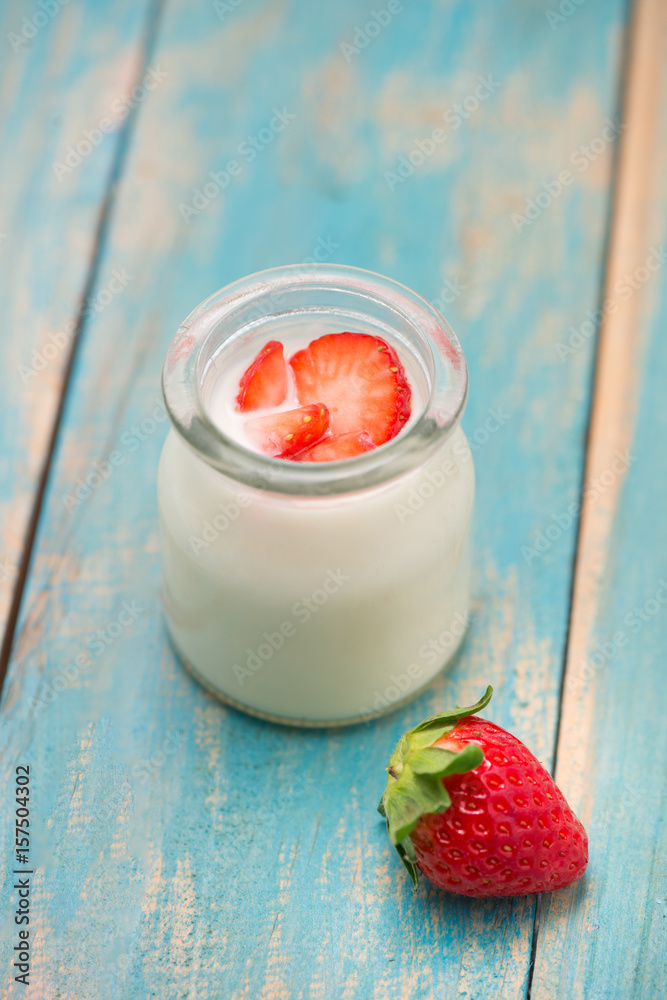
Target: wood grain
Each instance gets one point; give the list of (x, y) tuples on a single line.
[(57, 80), (605, 937), (183, 849)]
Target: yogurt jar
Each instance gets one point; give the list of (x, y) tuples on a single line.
[(314, 593)]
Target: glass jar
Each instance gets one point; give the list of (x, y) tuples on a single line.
[(316, 594)]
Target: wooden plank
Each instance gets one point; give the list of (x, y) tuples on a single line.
[(250, 862), (612, 750), (61, 71)]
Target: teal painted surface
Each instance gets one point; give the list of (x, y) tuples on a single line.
[(250, 862), (612, 932), (57, 80)]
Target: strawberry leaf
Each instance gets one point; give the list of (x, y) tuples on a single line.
[(431, 760), (411, 797), (406, 853), (416, 769), (431, 729)]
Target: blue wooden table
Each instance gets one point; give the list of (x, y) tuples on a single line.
[(178, 848)]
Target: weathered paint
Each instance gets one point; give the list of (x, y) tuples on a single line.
[(57, 79), (605, 937), (250, 862)]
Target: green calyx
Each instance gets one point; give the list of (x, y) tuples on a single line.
[(416, 767)]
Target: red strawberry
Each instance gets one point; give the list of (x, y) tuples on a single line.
[(264, 383), (470, 806), (359, 378), (340, 446), (285, 434)]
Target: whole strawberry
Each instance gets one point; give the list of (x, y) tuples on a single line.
[(468, 805)]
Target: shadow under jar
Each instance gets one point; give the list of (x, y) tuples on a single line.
[(315, 594)]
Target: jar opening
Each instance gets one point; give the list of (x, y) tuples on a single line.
[(307, 301)]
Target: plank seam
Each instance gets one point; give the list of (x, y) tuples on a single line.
[(621, 105), (99, 241)]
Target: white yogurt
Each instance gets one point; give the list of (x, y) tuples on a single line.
[(314, 610)]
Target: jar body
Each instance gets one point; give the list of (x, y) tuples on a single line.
[(316, 610)]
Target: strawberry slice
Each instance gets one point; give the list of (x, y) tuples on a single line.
[(360, 379), (340, 446), (264, 383), (285, 434)]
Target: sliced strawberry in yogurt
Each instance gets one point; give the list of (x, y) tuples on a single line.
[(360, 379), (340, 446), (264, 383), (286, 433)]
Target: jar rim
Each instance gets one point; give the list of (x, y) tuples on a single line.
[(192, 348)]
